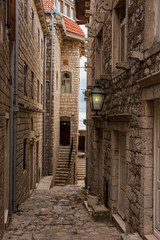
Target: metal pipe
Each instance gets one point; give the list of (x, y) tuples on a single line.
[(11, 127), (50, 101), (44, 103), (16, 109)]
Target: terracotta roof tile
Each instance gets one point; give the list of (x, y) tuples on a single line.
[(48, 5), (73, 27)]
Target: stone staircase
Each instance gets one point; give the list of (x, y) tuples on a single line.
[(81, 166), (62, 170)]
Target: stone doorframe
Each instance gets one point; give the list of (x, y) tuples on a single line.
[(118, 123), (150, 86)]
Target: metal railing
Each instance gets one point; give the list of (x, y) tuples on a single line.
[(70, 153)]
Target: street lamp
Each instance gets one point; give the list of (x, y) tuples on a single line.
[(97, 97)]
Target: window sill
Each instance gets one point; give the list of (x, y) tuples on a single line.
[(117, 72), (154, 49)]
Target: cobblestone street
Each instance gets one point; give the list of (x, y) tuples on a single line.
[(58, 213)]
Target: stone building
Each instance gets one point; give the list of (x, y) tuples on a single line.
[(22, 31), (29, 119), (4, 111), (123, 50), (65, 46)]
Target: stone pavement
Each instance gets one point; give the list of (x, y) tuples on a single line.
[(58, 214)]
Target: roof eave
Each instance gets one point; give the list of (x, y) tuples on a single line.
[(41, 14), (75, 36)]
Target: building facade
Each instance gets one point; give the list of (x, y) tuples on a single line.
[(4, 114), (65, 46), (123, 52), (31, 81), (40, 50), (22, 31)]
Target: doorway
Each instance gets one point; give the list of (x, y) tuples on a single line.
[(122, 176), (31, 168), (37, 162), (65, 131)]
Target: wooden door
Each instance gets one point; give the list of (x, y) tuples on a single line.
[(65, 133), (157, 171), (122, 175)]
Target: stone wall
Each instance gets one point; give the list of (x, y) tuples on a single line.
[(55, 95), (30, 115), (4, 109), (129, 104), (69, 103)]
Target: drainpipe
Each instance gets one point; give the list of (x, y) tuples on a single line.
[(86, 149), (11, 127), (44, 104), (15, 110), (50, 101)]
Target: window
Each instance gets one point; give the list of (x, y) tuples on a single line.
[(24, 153), (25, 78), (152, 23), (42, 48), (122, 32), (41, 94), (67, 10), (26, 9), (60, 6), (32, 23), (37, 90), (32, 82), (72, 13), (66, 82), (99, 54), (38, 40), (119, 32), (11, 18)]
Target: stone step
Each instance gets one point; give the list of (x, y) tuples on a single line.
[(134, 236), (65, 156), (82, 173), (65, 164), (61, 174), (63, 168), (60, 182), (62, 165), (81, 177), (61, 178), (81, 168)]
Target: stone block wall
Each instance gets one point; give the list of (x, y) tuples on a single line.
[(55, 99), (69, 102), (4, 106), (131, 92), (30, 115), (48, 118)]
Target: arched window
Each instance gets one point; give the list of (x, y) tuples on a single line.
[(66, 82)]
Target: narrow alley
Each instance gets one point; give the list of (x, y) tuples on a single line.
[(58, 213)]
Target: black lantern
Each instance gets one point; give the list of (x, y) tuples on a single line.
[(97, 97)]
